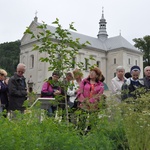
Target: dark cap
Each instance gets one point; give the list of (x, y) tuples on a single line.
[(56, 73), (135, 68)]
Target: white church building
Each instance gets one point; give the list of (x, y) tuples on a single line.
[(108, 53)]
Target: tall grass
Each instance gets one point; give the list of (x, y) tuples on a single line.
[(117, 126)]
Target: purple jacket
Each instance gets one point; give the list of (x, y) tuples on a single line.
[(85, 90)]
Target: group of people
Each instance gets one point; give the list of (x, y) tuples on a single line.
[(81, 93), (86, 92), (124, 85)]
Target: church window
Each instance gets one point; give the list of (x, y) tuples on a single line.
[(98, 64), (114, 60), (136, 62), (129, 62), (86, 64), (114, 74), (31, 61)]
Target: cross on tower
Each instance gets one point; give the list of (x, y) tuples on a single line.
[(36, 13)]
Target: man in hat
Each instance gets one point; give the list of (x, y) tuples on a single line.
[(132, 83)]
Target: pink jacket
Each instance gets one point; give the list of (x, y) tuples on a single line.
[(85, 90), (48, 90)]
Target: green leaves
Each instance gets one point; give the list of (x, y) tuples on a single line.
[(28, 31), (56, 21), (72, 27), (143, 44)]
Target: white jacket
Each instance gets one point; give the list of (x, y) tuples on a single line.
[(71, 91)]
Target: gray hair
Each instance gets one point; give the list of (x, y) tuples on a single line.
[(146, 68), (21, 65), (120, 68)]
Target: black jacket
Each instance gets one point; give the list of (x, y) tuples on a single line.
[(129, 87), (146, 82), (17, 92)]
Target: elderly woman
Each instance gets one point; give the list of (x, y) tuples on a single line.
[(3, 90), (90, 90)]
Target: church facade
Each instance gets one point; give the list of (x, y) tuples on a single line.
[(107, 52)]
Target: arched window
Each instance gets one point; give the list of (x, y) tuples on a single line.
[(32, 61), (98, 64), (114, 74), (136, 63), (114, 60), (86, 64), (129, 61)]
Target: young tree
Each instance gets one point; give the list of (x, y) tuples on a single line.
[(143, 44), (60, 47)]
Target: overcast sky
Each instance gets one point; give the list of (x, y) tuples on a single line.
[(131, 17)]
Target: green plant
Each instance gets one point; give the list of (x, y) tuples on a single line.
[(136, 114)]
